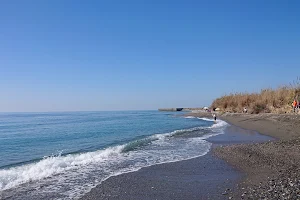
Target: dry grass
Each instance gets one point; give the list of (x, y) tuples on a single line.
[(267, 101)]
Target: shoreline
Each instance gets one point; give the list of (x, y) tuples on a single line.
[(204, 177), (272, 168), (264, 169), (176, 180), (279, 126), (267, 124)]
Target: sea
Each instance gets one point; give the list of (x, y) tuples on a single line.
[(64, 155)]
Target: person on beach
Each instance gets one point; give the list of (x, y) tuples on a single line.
[(215, 117), (295, 105)]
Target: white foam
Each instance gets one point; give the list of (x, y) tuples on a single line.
[(190, 117), (74, 175), (186, 130), (164, 135), (52, 165), (219, 124), (206, 119)]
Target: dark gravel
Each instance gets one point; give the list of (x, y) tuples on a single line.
[(206, 177), (273, 169)]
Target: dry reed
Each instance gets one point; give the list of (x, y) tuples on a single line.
[(266, 101)]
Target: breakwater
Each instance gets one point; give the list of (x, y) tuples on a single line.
[(170, 109)]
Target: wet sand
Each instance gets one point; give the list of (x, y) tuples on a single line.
[(206, 177), (272, 168), (283, 126), (202, 178)]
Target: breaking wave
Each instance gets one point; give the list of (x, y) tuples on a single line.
[(190, 117), (74, 174)]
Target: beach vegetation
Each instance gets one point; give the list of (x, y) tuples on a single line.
[(268, 100)]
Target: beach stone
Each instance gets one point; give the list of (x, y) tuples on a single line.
[(274, 166)]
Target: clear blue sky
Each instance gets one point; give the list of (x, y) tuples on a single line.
[(68, 55)]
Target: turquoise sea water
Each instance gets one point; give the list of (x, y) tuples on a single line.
[(65, 154)]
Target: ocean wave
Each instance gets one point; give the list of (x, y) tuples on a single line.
[(136, 144), (190, 117), (206, 119), (83, 171), (52, 165), (219, 124), (140, 143), (183, 132)]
